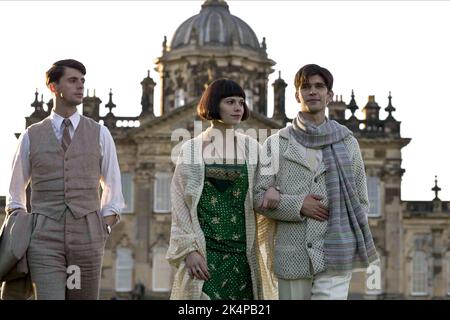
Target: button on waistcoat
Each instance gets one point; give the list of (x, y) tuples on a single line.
[(65, 179)]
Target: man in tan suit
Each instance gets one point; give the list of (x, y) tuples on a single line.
[(66, 158)]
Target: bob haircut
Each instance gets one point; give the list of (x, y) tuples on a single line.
[(209, 106)]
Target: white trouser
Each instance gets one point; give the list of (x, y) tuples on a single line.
[(323, 286)]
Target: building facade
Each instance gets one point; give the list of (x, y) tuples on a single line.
[(412, 238)]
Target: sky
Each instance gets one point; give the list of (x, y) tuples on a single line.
[(372, 47)]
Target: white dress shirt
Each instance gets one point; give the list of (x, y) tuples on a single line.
[(112, 201), (313, 156)]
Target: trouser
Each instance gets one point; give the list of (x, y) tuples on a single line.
[(65, 256), (323, 286)]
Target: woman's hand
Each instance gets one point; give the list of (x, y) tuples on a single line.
[(196, 265), (270, 199)]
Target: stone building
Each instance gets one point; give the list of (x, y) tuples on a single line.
[(412, 237)]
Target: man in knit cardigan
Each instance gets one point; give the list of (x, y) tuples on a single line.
[(66, 158), (317, 194)]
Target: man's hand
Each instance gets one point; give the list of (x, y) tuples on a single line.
[(270, 199), (110, 220), (196, 265), (313, 208)]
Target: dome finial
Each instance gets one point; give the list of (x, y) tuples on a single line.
[(215, 3)]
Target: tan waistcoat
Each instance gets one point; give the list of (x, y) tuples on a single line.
[(70, 179)]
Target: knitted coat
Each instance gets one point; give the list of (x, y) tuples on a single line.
[(186, 234), (299, 239)]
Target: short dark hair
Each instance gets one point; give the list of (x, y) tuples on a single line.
[(309, 70), (57, 70), (209, 106)]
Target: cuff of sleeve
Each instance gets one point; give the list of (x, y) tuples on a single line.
[(293, 203), (302, 217), (16, 209), (180, 247), (111, 213)]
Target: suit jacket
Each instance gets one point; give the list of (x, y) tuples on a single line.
[(15, 235), (299, 240)]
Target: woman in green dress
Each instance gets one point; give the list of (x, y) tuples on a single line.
[(216, 237)]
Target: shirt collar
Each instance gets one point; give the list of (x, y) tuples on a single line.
[(57, 119)]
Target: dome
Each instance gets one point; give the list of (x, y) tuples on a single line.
[(215, 25)]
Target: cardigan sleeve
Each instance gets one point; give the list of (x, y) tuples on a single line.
[(182, 235), (289, 205)]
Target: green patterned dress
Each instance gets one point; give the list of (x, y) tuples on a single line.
[(221, 215)]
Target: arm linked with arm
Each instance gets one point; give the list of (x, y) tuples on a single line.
[(269, 165)]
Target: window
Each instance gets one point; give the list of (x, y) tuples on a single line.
[(249, 98), (128, 191), (419, 274), (124, 270), (179, 98), (161, 270), (161, 203), (373, 190)]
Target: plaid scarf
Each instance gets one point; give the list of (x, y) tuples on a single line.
[(348, 243)]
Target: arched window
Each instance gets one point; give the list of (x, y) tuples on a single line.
[(161, 203), (249, 98), (419, 279), (161, 270), (124, 270), (374, 193), (179, 98), (128, 191)]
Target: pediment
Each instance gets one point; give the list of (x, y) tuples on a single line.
[(186, 116)]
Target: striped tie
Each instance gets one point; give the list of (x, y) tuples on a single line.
[(66, 136)]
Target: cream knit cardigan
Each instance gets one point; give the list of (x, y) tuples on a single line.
[(187, 236)]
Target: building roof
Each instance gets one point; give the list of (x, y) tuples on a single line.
[(216, 26)]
